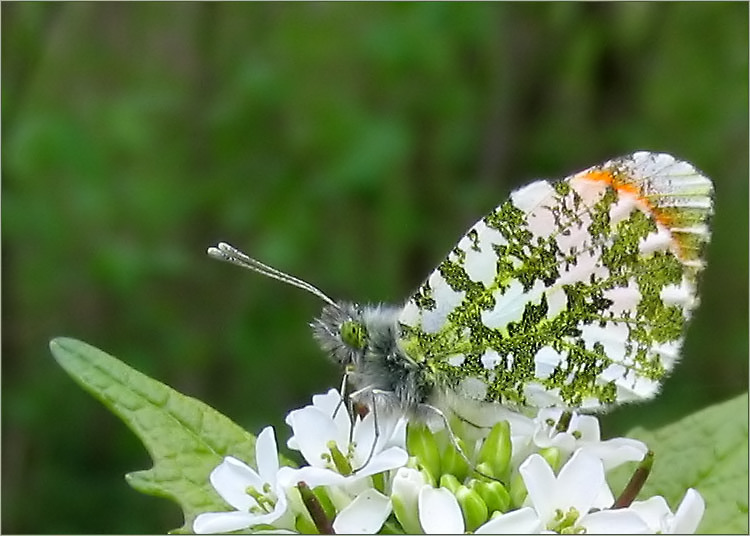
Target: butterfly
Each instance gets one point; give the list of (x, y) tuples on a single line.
[(574, 294)]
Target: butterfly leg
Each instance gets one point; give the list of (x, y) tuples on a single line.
[(346, 400), (343, 392), (353, 401), (377, 397)]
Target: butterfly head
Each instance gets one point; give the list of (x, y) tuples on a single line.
[(342, 332)]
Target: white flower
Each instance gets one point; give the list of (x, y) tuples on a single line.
[(257, 496), (656, 513), (322, 434), (344, 452), (564, 501), (582, 432)]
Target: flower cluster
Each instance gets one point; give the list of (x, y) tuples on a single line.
[(368, 475)]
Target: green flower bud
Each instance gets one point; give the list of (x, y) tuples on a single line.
[(420, 442), (493, 493), (496, 450), (472, 506), (450, 483), (553, 457), (486, 470), (517, 491), (453, 463)]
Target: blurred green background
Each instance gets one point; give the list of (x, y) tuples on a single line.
[(350, 145)]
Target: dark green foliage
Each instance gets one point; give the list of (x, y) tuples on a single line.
[(351, 145)]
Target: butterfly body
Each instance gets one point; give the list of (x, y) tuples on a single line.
[(376, 362)]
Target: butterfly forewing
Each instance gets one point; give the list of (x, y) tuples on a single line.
[(574, 293)]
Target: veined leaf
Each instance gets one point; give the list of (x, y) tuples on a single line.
[(708, 451), (185, 437)]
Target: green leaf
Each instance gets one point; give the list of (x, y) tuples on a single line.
[(185, 438), (708, 451)]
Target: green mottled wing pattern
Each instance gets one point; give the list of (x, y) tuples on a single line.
[(571, 294)]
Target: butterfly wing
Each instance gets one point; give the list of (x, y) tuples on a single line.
[(572, 294)]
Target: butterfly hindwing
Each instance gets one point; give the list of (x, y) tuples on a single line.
[(574, 293)]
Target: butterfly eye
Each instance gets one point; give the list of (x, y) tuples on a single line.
[(353, 334)]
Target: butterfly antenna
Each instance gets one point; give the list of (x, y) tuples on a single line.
[(227, 253)]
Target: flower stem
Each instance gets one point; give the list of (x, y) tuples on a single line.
[(634, 486)]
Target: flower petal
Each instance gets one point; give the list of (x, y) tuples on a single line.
[(689, 514), (267, 455), (541, 485), (312, 431), (222, 522), (364, 438), (278, 510), (614, 452), (332, 405), (364, 515), (231, 478), (654, 511), (310, 475), (328, 402), (587, 426), (523, 521), (391, 458), (622, 521), (439, 512), (604, 499), (397, 437), (580, 482)]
